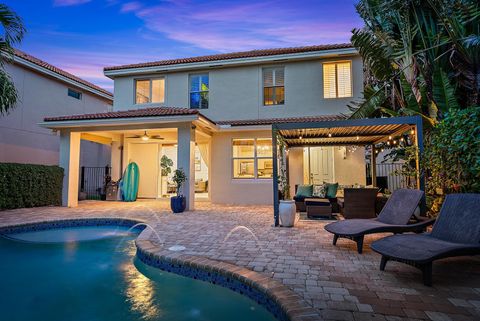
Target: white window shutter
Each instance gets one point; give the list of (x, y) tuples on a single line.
[(344, 79), (329, 81), (267, 77), (279, 77)]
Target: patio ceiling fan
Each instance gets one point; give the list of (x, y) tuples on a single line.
[(146, 137)]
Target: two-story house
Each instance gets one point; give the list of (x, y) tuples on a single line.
[(213, 115), (44, 89)]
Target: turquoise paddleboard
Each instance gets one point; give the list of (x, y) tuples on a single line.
[(130, 183)]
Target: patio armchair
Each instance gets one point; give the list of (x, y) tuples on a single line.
[(455, 233), (358, 203), (395, 217)]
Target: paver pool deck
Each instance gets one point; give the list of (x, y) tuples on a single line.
[(335, 280)]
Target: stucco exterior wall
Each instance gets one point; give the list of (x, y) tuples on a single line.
[(350, 170), (226, 190), (237, 93), (23, 141)]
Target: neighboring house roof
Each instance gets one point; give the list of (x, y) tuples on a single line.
[(270, 121), (135, 113), (234, 55), (24, 58)]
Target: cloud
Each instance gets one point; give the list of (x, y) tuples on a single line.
[(231, 26), (131, 6), (66, 3)]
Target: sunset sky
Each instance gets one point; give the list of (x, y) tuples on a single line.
[(83, 36)]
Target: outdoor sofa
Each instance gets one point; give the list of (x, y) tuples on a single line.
[(395, 217), (455, 233)]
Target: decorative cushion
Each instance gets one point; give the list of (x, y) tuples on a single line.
[(319, 191), (331, 190), (304, 191)]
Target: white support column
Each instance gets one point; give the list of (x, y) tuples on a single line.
[(69, 160), (373, 166), (116, 160), (186, 161)]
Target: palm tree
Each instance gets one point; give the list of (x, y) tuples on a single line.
[(421, 57), (13, 32)]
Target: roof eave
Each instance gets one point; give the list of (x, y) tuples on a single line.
[(125, 121), (45, 71), (330, 53)]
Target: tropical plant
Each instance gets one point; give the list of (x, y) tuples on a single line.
[(421, 57), (179, 178), (166, 165), (452, 155), (283, 185), (13, 32)]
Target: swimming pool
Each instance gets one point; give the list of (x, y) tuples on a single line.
[(91, 273)]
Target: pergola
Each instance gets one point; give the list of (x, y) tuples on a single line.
[(359, 132)]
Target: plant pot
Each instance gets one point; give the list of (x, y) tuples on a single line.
[(287, 213), (178, 204)]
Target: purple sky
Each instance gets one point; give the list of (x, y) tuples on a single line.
[(83, 36)]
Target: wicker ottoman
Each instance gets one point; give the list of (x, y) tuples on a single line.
[(318, 207)]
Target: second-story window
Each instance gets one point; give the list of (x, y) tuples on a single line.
[(273, 86), (150, 91), (199, 87), (337, 79), (75, 94)]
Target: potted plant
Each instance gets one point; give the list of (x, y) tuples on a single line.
[(166, 168), (178, 203)]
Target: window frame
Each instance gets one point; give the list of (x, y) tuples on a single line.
[(273, 68), (336, 62), (150, 94), (190, 76), (255, 158), (70, 90)]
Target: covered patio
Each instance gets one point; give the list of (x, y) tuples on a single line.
[(371, 133), (142, 136)]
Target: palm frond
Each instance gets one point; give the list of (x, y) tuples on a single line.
[(8, 93), (443, 92), (372, 103)]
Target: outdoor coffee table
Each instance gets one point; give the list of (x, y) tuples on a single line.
[(318, 207)]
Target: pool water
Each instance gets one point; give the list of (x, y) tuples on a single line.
[(91, 273)]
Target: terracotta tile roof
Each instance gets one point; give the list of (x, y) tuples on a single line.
[(136, 113), (59, 71), (270, 121), (233, 55)]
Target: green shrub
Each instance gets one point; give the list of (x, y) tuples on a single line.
[(26, 185), (452, 156)]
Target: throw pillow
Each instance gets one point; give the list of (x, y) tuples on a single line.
[(319, 191), (331, 190), (304, 191)]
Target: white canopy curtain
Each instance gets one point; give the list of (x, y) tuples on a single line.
[(204, 152)]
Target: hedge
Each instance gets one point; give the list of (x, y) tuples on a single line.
[(27, 185)]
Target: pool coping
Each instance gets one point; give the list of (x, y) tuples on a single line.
[(277, 298)]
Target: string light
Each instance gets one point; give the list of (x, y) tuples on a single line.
[(394, 142), (329, 135), (358, 137), (412, 132), (389, 137), (402, 139), (388, 143)]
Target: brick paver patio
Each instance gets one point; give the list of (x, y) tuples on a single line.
[(338, 282)]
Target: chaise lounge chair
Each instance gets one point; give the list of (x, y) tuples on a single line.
[(394, 218), (456, 233)]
